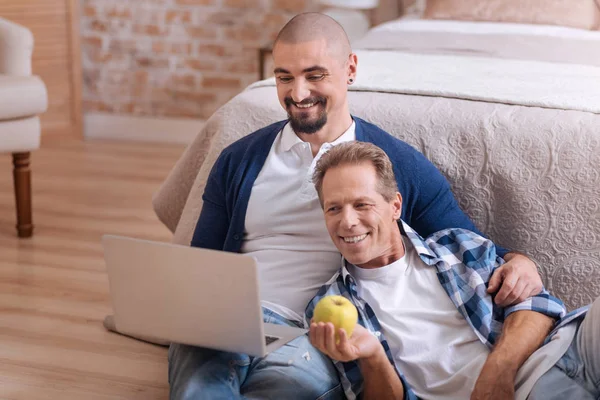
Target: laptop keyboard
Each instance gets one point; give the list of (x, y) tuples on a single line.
[(270, 339)]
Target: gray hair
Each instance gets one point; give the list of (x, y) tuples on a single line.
[(355, 153)]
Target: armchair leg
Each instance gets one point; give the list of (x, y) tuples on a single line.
[(22, 181)]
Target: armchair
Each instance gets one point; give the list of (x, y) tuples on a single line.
[(22, 98)]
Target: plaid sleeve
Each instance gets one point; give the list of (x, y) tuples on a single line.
[(479, 254), (543, 303)]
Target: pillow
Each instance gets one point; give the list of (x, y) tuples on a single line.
[(582, 14)]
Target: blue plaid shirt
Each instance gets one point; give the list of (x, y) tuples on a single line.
[(464, 262)]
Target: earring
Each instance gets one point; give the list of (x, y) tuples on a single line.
[(350, 81)]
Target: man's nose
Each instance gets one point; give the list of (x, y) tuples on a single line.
[(349, 218), (300, 91)]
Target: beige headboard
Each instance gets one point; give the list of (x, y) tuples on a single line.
[(391, 9), (581, 14)]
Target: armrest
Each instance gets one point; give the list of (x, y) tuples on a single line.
[(16, 48)]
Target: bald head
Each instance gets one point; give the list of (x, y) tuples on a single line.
[(315, 26)]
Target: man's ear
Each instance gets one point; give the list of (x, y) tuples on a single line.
[(397, 203), (352, 66)]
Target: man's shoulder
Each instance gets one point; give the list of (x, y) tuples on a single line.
[(405, 158), (451, 241), (455, 235), (467, 246)]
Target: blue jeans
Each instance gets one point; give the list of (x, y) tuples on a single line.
[(577, 374), (296, 370)]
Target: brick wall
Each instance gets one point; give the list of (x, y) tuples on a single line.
[(174, 58)]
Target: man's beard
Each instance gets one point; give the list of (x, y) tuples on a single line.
[(301, 122)]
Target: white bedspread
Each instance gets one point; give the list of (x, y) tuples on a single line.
[(518, 82)]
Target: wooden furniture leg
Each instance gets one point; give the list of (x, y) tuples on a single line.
[(22, 181)]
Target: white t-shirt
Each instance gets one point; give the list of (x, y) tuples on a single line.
[(431, 342), (285, 227)]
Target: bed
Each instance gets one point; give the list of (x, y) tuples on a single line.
[(510, 113)]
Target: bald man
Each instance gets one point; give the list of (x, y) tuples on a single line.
[(259, 200)]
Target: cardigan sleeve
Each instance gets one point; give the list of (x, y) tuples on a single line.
[(213, 223)]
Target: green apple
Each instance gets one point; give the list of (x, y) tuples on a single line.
[(339, 311)]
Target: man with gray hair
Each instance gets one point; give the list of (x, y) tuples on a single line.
[(428, 327), (259, 200)]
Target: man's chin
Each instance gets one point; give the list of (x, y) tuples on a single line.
[(307, 123), (307, 126), (356, 259)]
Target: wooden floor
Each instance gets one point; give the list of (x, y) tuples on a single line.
[(54, 288)]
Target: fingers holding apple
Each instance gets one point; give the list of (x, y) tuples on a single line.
[(323, 336), (362, 344)]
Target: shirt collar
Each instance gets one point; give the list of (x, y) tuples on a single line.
[(289, 139), (420, 245), (344, 269)]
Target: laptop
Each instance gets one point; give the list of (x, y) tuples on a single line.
[(189, 295)]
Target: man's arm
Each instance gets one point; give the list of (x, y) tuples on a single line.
[(523, 333), (212, 225), (380, 378)]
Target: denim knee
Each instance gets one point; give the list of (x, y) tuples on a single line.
[(199, 373), (295, 371)]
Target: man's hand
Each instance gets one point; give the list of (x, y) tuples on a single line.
[(517, 279), (494, 385), (361, 345)]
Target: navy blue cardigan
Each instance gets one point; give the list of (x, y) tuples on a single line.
[(428, 204)]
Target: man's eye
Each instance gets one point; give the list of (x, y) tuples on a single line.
[(362, 205), (332, 209), (316, 77), (284, 79)]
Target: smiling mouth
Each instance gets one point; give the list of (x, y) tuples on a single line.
[(305, 106), (354, 239)]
